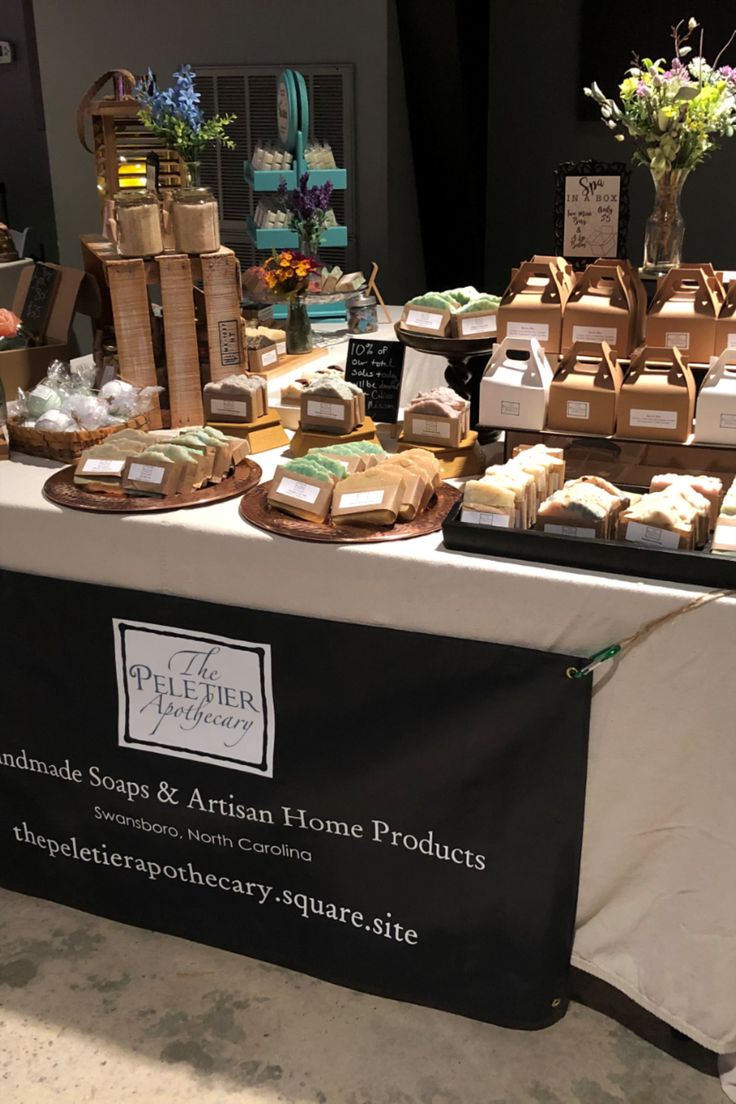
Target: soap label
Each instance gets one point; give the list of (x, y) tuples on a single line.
[(325, 410), (724, 536), (102, 467), (360, 498), (570, 531), (578, 409), (269, 358), (656, 419), (424, 319), (40, 391), (727, 421), (228, 406), (292, 488), (187, 694), (732, 341), (146, 473), (481, 517), (649, 534), (595, 333), (281, 348), (479, 324), (511, 408), (430, 427), (539, 330), (676, 340)]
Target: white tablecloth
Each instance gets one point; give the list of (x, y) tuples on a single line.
[(657, 906)]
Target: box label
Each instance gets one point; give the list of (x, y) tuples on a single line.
[(228, 406), (102, 467), (431, 428), (269, 358), (649, 534), (361, 498), (512, 408), (482, 324), (325, 410), (676, 340), (40, 391), (303, 492), (595, 333), (146, 473), (578, 410), (570, 531), (657, 419), (281, 348), (424, 319), (480, 517), (727, 421), (724, 536), (731, 341), (539, 330), (229, 333)]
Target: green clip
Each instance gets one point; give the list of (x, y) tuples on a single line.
[(594, 661)]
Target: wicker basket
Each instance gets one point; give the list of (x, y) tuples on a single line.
[(65, 446)]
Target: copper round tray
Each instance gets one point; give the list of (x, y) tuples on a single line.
[(255, 509), (453, 347), (60, 488)]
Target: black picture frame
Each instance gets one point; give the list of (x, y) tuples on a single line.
[(592, 169)]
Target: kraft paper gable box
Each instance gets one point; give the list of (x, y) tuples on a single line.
[(657, 399), (600, 308), (532, 304), (515, 386), (683, 314), (76, 291), (583, 395), (715, 409), (637, 293), (726, 322)]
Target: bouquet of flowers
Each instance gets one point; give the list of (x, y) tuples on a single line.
[(675, 111), (175, 115), (308, 208), (286, 274)]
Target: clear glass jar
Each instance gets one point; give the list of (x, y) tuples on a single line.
[(362, 314), (138, 220), (196, 220)]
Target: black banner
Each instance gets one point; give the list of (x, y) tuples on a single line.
[(392, 811)]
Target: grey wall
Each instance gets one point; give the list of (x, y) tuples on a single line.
[(80, 40), (534, 91), (24, 167)]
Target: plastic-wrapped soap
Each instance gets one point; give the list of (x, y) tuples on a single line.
[(57, 420), (41, 399)]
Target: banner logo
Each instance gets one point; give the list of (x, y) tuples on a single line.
[(191, 695)]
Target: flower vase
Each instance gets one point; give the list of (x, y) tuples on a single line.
[(309, 245), (192, 177), (665, 226), (298, 326)]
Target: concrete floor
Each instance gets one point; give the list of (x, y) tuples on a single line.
[(95, 1011)]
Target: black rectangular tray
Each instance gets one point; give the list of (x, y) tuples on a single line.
[(609, 557)]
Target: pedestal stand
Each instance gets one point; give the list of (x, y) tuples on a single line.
[(467, 459), (263, 434), (303, 440)]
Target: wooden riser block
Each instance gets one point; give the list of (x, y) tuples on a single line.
[(180, 336), (222, 292), (302, 441), (467, 459), (286, 364), (263, 434), (131, 313)]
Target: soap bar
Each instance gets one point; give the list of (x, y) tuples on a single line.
[(151, 475), (371, 497), (296, 490), (236, 398)]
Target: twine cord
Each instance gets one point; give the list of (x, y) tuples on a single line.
[(641, 634)]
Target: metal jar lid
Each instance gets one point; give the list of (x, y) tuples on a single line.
[(361, 300)]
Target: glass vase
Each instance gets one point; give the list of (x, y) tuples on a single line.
[(309, 244), (665, 226), (192, 174), (298, 326)]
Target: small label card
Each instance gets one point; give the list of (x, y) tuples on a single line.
[(304, 492), (570, 531), (481, 517), (677, 340), (649, 534), (595, 333), (512, 408), (431, 428), (270, 357), (578, 409), (483, 323), (146, 473), (656, 419), (325, 410), (425, 319), (732, 341), (540, 330), (727, 421), (92, 466), (228, 406), (361, 498)]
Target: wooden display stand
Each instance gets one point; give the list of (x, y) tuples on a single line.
[(263, 434), (303, 441), (467, 459), (124, 286)]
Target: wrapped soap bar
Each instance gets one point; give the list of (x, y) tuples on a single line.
[(151, 475), (663, 519), (371, 497), (418, 489), (330, 405), (237, 398), (709, 486), (302, 489)]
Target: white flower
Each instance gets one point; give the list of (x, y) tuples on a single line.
[(692, 23)]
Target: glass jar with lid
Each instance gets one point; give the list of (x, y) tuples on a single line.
[(362, 314), (138, 223), (196, 220)]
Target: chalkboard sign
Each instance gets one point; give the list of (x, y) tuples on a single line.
[(591, 210), (377, 367), (39, 300)]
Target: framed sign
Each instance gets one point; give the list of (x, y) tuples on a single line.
[(377, 367), (591, 210)]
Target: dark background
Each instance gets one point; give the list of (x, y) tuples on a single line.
[(463, 110)]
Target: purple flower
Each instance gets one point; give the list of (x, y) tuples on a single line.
[(728, 72), (642, 89)]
